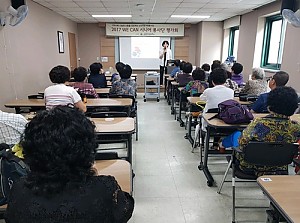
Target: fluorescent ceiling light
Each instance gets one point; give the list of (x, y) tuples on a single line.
[(111, 16), (191, 16)]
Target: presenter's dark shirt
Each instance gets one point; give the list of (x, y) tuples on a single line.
[(97, 80), (99, 200)]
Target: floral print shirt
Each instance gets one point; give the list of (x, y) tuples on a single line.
[(271, 128), (123, 86), (255, 87), (195, 87)]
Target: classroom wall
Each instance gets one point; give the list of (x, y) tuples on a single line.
[(210, 41), (248, 40), (88, 43), (28, 52)]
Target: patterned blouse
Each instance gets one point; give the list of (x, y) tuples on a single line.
[(123, 86), (255, 87), (195, 87), (271, 128)]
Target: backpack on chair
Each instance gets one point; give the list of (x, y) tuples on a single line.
[(12, 168)]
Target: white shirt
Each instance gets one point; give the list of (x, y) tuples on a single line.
[(214, 96), (60, 94), (12, 127), (168, 56)]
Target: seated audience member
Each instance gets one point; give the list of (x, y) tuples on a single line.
[(116, 76), (125, 85), (198, 85), (229, 83), (59, 147), (12, 127), (185, 77), (257, 85), (176, 68), (275, 127), (59, 93), (279, 79), (80, 84), (216, 64), (219, 93), (237, 75), (97, 77), (206, 68)]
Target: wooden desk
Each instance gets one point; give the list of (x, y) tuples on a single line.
[(120, 169), (91, 103), (283, 192), (220, 124), (116, 126), (102, 92)]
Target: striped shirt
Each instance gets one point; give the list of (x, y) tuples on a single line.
[(85, 88), (12, 127), (60, 94)]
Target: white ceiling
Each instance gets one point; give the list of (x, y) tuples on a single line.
[(151, 11)]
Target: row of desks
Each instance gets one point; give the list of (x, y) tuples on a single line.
[(221, 125), (282, 191)]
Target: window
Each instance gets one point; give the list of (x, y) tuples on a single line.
[(233, 41), (273, 42)]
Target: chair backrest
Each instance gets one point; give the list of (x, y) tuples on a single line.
[(106, 156), (108, 114), (36, 96), (270, 153), (123, 96)]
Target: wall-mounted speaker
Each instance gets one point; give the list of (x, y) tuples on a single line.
[(17, 3)]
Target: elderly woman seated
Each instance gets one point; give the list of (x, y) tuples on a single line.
[(274, 127), (257, 85), (125, 85), (59, 146)]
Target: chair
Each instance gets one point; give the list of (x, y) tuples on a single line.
[(106, 156), (133, 110), (270, 154)]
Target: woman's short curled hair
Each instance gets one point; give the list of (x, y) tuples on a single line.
[(125, 72), (79, 74), (198, 74), (59, 147), (283, 101), (258, 73), (59, 74)]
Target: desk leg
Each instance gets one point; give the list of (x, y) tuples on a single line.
[(172, 100), (180, 110), (203, 166), (188, 135), (168, 93), (129, 152), (165, 93)]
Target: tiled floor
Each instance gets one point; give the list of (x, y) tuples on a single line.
[(169, 188)]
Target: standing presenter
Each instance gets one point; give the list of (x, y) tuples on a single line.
[(165, 54)]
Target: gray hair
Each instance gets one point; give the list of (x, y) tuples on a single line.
[(224, 66), (258, 73)]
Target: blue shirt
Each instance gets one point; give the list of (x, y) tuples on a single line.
[(174, 71), (97, 80), (260, 105)]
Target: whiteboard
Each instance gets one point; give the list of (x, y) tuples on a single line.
[(141, 53)]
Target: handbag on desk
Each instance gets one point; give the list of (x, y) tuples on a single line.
[(232, 112)]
